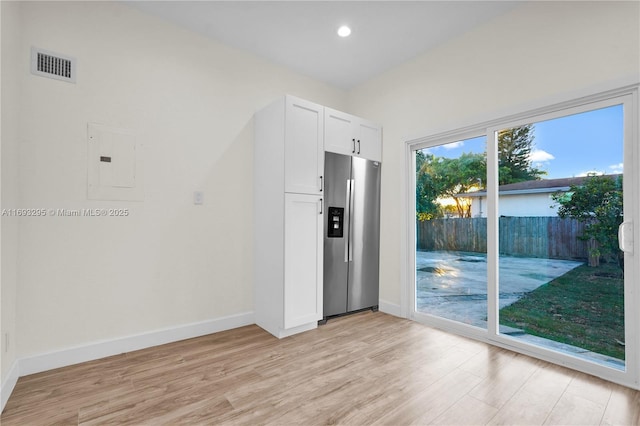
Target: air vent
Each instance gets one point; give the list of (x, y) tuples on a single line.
[(53, 65)]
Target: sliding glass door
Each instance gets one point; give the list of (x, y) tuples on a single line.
[(523, 234), (451, 268), (560, 204)]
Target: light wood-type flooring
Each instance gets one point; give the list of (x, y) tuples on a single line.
[(368, 368)]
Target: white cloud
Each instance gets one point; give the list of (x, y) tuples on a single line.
[(616, 168), (453, 145), (540, 156)]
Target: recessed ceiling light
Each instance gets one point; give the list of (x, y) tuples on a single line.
[(344, 31)]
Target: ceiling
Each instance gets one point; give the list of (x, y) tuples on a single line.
[(301, 35)]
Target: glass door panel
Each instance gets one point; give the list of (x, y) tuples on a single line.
[(560, 202), (451, 224)]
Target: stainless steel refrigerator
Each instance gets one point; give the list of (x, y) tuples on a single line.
[(351, 234)]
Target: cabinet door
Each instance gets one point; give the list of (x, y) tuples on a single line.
[(369, 141), (303, 146), (350, 135), (340, 132), (303, 255)]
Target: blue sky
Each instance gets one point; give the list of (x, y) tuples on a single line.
[(569, 146)]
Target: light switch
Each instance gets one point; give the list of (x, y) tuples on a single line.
[(198, 197)]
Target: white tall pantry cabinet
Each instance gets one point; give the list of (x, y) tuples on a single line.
[(288, 224)]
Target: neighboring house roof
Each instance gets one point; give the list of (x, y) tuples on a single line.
[(535, 186)]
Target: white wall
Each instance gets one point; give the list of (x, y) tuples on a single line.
[(9, 189), (540, 204), (535, 52), (191, 101)]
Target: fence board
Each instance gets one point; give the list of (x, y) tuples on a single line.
[(538, 236)]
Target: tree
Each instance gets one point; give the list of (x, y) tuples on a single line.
[(598, 204), (441, 177), (426, 206), (514, 151)]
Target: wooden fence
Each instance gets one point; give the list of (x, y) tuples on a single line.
[(541, 237)]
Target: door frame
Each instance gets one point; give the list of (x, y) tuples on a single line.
[(628, 96)]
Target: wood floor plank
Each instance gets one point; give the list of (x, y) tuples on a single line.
[(363, 369), (576, 410), (503, 379), (583, 403), (489, 360), (535, 400), (623, 407), (467, 411), (425, 406)]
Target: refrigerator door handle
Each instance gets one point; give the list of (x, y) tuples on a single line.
[(351, 215), (346, 218)]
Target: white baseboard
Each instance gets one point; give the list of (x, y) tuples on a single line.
[(102, 349), (389, 308), (8, 384)]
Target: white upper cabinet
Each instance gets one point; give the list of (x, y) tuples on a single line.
[(303, 146), (369, 140), (340, 133), (350, 135)]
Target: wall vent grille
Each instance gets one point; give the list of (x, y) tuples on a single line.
[(53, 65)]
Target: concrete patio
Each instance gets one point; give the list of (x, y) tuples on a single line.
[(453, 285)]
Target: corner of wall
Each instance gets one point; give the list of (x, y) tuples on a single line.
[(390, 308), (8, 384), (10, 39)]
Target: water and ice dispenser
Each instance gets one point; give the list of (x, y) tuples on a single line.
[(336, 222)]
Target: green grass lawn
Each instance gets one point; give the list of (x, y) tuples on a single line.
[(584, 308)]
